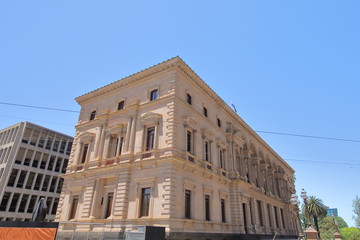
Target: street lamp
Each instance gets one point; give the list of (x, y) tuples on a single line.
[(295, 202), (311, 233)]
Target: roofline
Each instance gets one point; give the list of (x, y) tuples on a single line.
[(182, 66)]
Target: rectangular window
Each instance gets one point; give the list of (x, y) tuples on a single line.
[(20, 156), (28, 157), (219, 122), (121, 105), (48, 204), (74, 205), (38, 182), (12, 177), (51, 163), (66, 161), (60, 184), (32, 204), (44, 161), (150, 137), (205, 111), (46, 183), (269, 214), (223, 209), (54, 207), (145, 202), (30, 180), (207, 207), (84, 152), (4, 201), (23, 202), (282, 217), (92, 115), (260, 212), (21, 180), (68, 149), (221, 158), (42, 140), (52, 185), (36, 160), (14, 202), (276, 218), (189, 141), (62, 146), (109, 204), (49, 141), (245, 217), (153, 95), (188, 99), (34, 137), (187, 204), (207, 151), (58, 164)]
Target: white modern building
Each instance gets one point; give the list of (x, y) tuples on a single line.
[(31, 159)]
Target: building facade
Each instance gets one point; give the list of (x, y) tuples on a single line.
[(161, 148), (31, 159)]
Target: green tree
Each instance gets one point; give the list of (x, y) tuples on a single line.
[(315, 209), (328, 227), (356, 210), (351, 233)]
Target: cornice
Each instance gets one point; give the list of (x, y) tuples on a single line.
[(190, 74)]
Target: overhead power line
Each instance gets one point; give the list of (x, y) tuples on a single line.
[(309, 136), (258, 131), (325, 162), (45, 108)]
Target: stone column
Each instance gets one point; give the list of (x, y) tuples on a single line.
[(97, 141), (95, 196), (127, 134), (106, 145), (101, 144)]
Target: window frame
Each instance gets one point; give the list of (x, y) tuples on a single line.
[(187, 204), (150, 138), (145, 198), (152, 95), (189, 99), (121, 105)]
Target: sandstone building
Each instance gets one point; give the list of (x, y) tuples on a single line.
[(31, 159), (161, 148)]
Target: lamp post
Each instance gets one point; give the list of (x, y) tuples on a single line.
[(295, 202), (311, 233)]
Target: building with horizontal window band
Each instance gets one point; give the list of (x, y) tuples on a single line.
[(32, 158), (161, 148)]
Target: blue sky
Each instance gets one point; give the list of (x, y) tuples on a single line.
[(289, 66)]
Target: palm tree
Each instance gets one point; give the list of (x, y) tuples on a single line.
[(315, 209)]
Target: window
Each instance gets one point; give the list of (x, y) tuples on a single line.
[(30, 180), (14, 202), (43, 161), (46, 183), (84, 152), (205, 111), (53, 184), (145, 202), (260, 212), (60, 184), (153, 95), (282, 217), (276, 217), (32, 204), (23, 203), (269, 215), (48, 203), (92, 115), (187, 204), (68, 149), (219, 122), (150, 137), (245, 217), (121, 105), (221, 158), (109, 204), (73, 208), (189, 141), (38, 182), (62, 146), (21, 180), (63, 170), (207, 207), (223, 209), (207, 151), (49, 141), (188, 99), (12, 177), (4, 201), (54, 207), (51, 163)]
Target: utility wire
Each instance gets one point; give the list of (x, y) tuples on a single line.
[(32, 106), (309, 136), (258, 131), (324, 162)]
